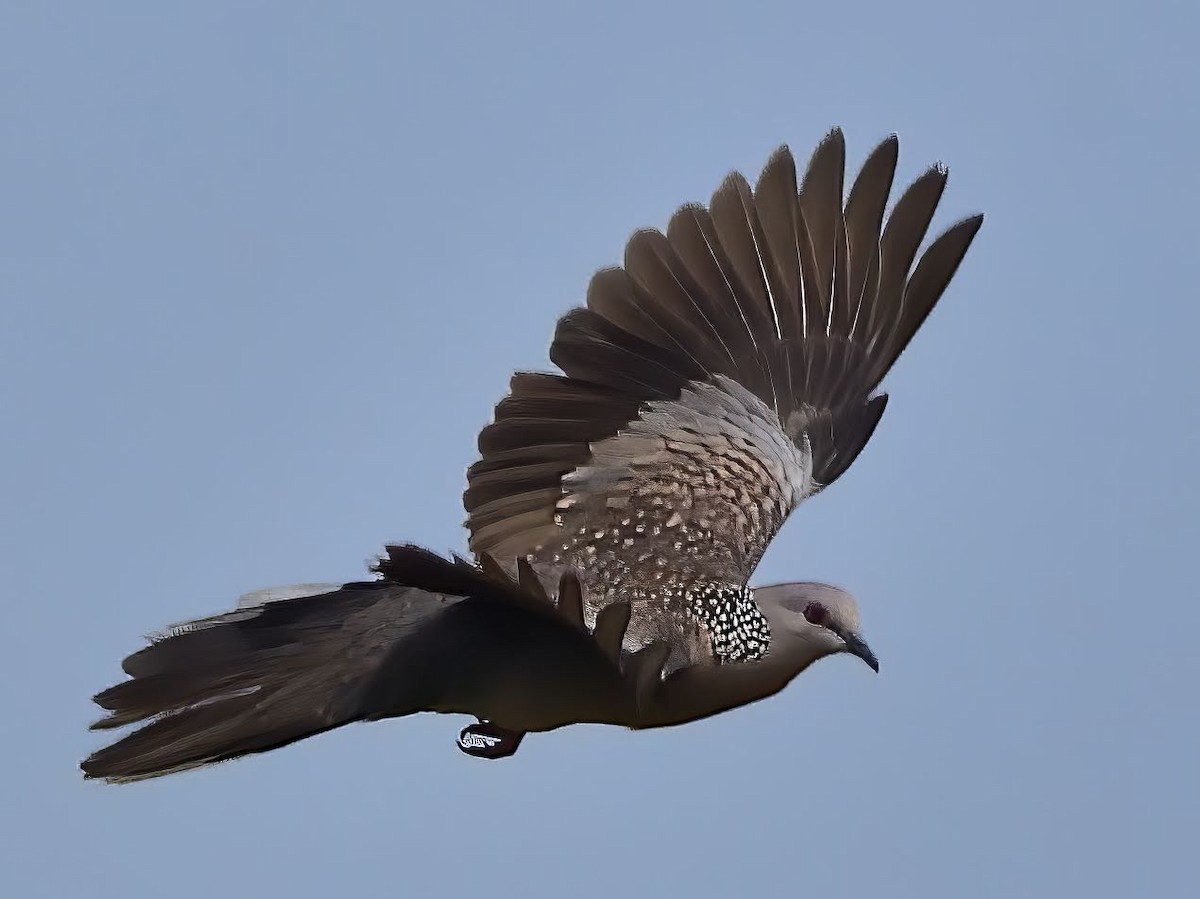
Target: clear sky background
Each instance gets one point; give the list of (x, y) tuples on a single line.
[(265, 268)]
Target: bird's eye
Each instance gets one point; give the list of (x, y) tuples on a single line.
[(815, 613)]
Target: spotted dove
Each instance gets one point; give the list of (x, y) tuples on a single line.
[(618, 511)]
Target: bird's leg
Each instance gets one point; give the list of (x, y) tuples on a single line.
[(485, 740), (490, 741)]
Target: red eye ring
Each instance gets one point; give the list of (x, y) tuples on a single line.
[(815, 613)]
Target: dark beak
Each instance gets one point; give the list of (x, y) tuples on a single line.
[(856, 645)]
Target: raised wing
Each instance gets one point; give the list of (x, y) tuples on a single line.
[(721, 376)]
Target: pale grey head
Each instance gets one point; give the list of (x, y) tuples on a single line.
[(818, 617)]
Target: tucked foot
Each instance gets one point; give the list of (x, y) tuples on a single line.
[(488, 741)]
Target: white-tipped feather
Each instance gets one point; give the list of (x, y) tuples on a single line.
[(275, 594)]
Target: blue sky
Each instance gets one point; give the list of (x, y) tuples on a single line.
[(266, 267)]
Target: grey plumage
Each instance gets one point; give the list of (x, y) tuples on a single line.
[(619, 509)]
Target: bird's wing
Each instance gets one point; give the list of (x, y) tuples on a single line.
[(718, 378), (430, 635)]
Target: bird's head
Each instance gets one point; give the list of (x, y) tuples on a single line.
[(820, 617)]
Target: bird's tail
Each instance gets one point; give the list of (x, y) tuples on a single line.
[(247, 681)]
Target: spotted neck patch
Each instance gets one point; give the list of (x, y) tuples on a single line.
[(736, 626)]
